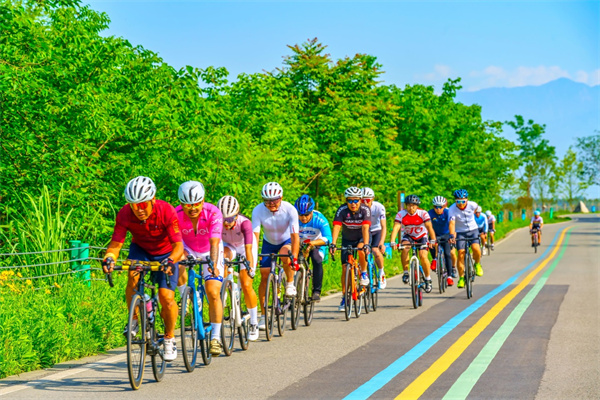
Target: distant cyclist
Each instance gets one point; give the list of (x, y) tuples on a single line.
[(201, 227), (463, 226), (378, 231), (353, 219), (238, 238), (416, 225), (155, 237), (491, 227), (315, 232), (537, 222), (279, 220), (482, 225), (440, 220)]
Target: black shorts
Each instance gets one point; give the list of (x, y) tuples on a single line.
[(422, 241), (472, 235), (375, 238), (481, 230), (345, 253)]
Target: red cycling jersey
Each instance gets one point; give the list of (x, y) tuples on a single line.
[(155, 234)]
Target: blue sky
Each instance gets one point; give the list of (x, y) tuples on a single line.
[(486, 43)]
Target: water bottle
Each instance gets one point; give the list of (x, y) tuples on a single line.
[(199, 300), (149, 308)]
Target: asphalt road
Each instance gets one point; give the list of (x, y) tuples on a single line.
[(530, 331)]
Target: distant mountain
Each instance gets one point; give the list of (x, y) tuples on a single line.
[(568, 109)]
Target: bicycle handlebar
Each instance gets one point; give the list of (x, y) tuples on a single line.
[(137, 265), (344, 248), (240, 260), (192, 261)]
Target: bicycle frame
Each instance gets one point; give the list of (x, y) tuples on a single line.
[(276, 274), (233, 268), (417, 277)]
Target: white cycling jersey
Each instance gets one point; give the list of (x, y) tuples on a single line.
[(464, 219), (538, 220), (277, 226), (413, 225), (491, 219), (377, 214)]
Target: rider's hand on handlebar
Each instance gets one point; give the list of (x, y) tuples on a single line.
[(331, 248), (432, 243), (108, 264), (168, 266), (367, 249)]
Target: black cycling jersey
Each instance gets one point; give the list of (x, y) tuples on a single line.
[(352, 222)]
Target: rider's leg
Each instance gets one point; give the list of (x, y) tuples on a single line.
[(461, 262), (215, 306), (362, 260), (423, 256), (476, 252), (287, 267), (168, 311), (317, 267)]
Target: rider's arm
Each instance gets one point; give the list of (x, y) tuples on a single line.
[(295, 244), (485, 230), (325, 233), (177, 252), (113, 250), (395, 230), (214, 252), (336, 233), (429, 228), (366, 225), (383, 232), (365, 233), (452, 227), (249, 238)]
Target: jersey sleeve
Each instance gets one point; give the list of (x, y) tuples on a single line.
[(398, 217), (425, 216), (367, 220), (120, 230), (246, 229), (382, 216), (216, 224), (325, 229), (256, 219), (294, 223), (486, 225), (172, 223), (337, 220)]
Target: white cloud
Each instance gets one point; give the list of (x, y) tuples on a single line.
[(494, 76), (440, 72)]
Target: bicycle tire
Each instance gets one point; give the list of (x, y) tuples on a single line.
[(228, 321), (468, 273), (270, 303), (366, 298), (297, 300), (159, 363), (358, 301), (136, 346), (205, 347), (535, 242), (283, 305), (420, 286), (189, 336), (373, 293), (440, 274), (244, 332), (348, 292), (309, 305), (414, 281)]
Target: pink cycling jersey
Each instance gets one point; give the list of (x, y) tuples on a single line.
[(241, 234), (209, 225)]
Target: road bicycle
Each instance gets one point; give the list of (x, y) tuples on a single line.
[(469, 267), (276, 302), (353, 290), (303, 283), (415, 271), (233, 316), (535, 234), (194, 330), (144, 311), (371, 297), (441, 269)]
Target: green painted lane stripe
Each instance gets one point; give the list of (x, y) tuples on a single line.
[(465, 383)]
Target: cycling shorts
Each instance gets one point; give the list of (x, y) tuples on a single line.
[(206, 274), (491, 230), (242, 250), (481, 230), (345, 253), (268, 248), (422, 241), (375, 238), (137, 253), (536, 226), (472, 235)]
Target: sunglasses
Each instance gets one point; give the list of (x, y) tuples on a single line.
[(274, 201), (230, 220), (352, 201), (367, 200), (461, 201), (305, 215), (192, 206), (438, 207), (139, 206)]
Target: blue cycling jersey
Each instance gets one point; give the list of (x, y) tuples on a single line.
[(441, 223), (481, 222), (316, 228)]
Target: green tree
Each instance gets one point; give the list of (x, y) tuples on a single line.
[(589, 154), (570, 185)]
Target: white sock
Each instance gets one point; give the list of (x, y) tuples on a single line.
[(181, 289), (216, 331), (253, 315), (381, 272)]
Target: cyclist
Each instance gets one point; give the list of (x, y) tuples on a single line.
[(155, 237), (239, 239), (491, 227), (353, 219), (378, 231), (279, 220), (315, 232), (201, 226), (482, 225), (536, 223), (440, 220), (463, 226), (417, 224)]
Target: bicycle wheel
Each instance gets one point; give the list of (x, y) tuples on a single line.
[(136, 345), (358, 288), (420, 287), (189, 338), (441, 268), (414, 281), (228, 322), (309, 305), (159, 363), (244, 331), (284, 304), (366, 298), (348, 292), (270, 304), (535, 242), (205, 346), (374, 288), (297, 300), (468, 272)]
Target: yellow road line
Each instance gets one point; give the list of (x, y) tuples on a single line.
[(427, 378)]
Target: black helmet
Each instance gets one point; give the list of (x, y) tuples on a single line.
[(412, 199)]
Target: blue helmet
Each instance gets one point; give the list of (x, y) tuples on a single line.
[(461, 194), (537, 212), (304, 204)]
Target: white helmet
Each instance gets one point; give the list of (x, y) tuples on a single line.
[(368, 193), (191, 192), (488, 213), (439, 201), (353, 191), (140, 189), (272, 191), (229, 206), (478, 209)]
